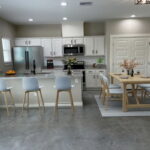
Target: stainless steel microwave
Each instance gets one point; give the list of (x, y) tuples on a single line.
[(73, 50)]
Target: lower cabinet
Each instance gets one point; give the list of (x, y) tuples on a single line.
[(92, 78)]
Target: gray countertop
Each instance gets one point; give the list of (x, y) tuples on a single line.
[(41, 75)]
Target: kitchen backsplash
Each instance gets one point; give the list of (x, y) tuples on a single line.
[(88, 60)]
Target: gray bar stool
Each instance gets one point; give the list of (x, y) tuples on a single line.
[(63, 84), (30, 84), (4, 90)]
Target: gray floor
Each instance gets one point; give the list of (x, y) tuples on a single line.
[(84, 130)]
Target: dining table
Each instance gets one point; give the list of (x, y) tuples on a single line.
[(126, 80)]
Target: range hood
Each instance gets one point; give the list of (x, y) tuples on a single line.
[(72, 29)]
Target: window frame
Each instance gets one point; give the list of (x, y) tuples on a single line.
[(9, 51)]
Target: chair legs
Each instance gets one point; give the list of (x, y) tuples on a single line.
[(6, 100), (39, 97), (57, 99)]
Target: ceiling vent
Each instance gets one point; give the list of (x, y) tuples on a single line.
[(86, 3)]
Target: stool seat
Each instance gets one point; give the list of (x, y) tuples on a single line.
[(3, 90), (30, 84), (63, 84)]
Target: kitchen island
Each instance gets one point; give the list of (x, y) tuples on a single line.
[(47, 80)]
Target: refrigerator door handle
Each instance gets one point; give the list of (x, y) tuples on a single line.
[(27, 60)]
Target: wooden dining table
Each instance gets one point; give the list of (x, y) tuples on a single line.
[(126, 80)]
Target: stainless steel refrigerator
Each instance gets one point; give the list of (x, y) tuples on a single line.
[(26, 58)]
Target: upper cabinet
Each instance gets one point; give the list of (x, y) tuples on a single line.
[(27, 42), (57, 47), (73, 41), (52, 47), (94, 46), (47, 47)]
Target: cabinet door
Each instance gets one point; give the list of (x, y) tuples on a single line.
[(67, 41), (47, 47), (21, 42), (99, 45), (89, 46), (57, 47), (77, 40), (91, 81), (34, 42), (97, 74)]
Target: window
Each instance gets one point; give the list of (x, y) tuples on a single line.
[(6, 50)]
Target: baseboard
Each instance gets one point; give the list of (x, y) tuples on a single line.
[(76, 104)]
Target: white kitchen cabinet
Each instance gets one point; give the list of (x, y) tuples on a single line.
[(99, 45), (47, 47), (57, 47), (92, 78), (89, 46), (28, 42), (68, 41), (94, 46)]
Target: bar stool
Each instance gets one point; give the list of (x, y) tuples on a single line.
[(4, 90), (63, 84), (30, 85)]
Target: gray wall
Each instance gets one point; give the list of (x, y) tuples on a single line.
[(125, 26), (55, 30), (6, 30)]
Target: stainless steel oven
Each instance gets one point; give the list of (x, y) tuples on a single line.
[(73, 50)]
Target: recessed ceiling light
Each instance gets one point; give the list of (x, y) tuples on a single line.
[(133, 16), (65, 18), (30, 20), (63, 3)]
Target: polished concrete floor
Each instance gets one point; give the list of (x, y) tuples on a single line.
[(83, 130)]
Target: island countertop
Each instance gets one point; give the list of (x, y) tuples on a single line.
[(41, 75)]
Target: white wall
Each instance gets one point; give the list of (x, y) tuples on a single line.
[(124, 26)]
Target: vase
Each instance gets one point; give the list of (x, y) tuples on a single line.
[(69, 72)]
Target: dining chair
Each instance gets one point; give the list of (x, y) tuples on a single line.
[(31, 85), (63, 84), (4, 90), (110, 86), (111, 92)]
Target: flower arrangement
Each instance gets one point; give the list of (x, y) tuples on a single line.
[(69, 62), (129, 64)]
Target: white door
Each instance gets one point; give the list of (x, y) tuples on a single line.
[(140, 48), (47, 47), (34, 41), (20, 42), (89, 46), (121, 50), (67, 41), (99, 45), (57, 47), (77, 40)]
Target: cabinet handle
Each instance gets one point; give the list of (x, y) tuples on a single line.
[(75, 41), (25, 42), (54, 53), (29, 42), (51, 53), (71, 41), (92, 51), (96, 51)]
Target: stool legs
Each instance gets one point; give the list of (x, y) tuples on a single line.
[(26, 98), (6, 102), (71, 100), (57, 98)]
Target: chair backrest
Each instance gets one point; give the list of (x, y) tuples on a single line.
[(106, 84), (30, 83), (63, 83), (3, 85)]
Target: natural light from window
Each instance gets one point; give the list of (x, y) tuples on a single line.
[(6, 50)]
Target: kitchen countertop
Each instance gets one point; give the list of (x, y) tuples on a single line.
[(41, 75)]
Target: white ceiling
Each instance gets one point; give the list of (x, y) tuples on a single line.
[(50, 11)]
